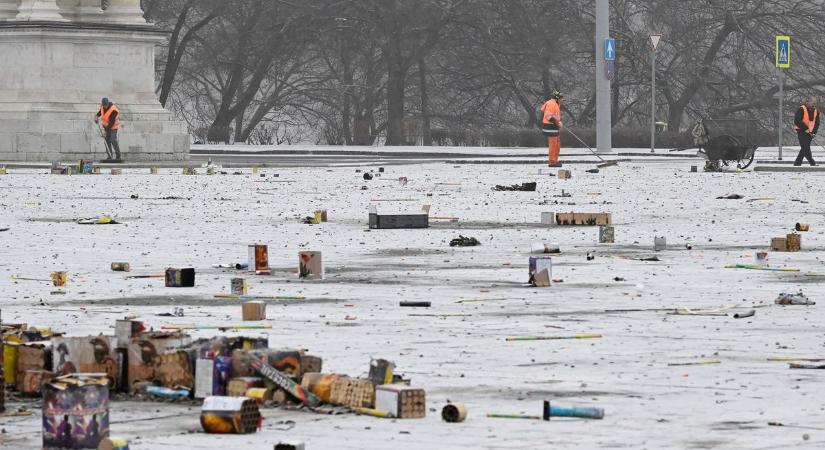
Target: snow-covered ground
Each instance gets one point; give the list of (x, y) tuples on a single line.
[(456, 350)]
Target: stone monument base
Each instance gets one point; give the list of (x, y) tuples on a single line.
[(53, 77)]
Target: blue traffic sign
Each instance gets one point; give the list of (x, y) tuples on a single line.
[(609, 49), (783, 52)]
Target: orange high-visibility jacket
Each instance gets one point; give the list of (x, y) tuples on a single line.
[(807, 119), (106, 116), (551, 110)]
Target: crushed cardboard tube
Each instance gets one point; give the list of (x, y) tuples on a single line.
[(120, 267), (744, 315), (454, 412)]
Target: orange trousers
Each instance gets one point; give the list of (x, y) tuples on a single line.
[(554, 149)]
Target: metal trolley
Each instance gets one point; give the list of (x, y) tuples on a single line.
[(724, 141)]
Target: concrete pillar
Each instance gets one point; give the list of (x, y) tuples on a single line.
[(39, 10), (8, 9), (124, 11), (81, 10), (604, 138)]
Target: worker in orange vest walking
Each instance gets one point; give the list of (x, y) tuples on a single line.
[(109, 117), (551, 127), (806, 123)]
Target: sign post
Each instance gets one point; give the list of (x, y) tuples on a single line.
[(604, 140), (655, 39), (783, 62)]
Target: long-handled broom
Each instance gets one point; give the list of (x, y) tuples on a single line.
[(604, 163), (102, 132)]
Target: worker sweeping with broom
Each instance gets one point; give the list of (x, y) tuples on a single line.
[(109, 117), (551, 127)]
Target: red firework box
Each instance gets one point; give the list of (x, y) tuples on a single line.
[(76, 412), (259, 259)]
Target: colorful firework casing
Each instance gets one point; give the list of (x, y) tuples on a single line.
[(319, 384), (294, 389), (259, 259), (310, 266), (59, 278), (212, 376), (180, 277), (607, 234), (230, 415), (578, 412), (32, 382), (239, 286), (381, 371), (76, 412)]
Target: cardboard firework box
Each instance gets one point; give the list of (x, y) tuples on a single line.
[(352, 392), (401, 401), (212, 376), (541, 271), (76, 412), (311, 364), (144, 352), (287, 361), (230, 415), (259, 259), (32, 356), (607, 234), (88, 354), (310, 266), (33, 382), (173, 370), (237, 387)]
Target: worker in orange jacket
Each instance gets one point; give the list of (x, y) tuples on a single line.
[(806, 124), (108, 115), (551, 127)]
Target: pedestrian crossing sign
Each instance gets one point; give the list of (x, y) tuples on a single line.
[(783, 52)]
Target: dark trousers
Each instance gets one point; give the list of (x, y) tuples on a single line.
[(112, 144), (804, 142)]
